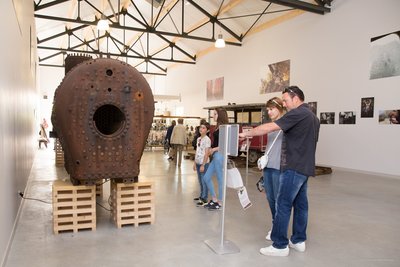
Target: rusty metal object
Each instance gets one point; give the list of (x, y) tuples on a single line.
[(75, 59), (103, 111)]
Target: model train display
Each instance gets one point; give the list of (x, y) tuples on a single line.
[(102, 114)]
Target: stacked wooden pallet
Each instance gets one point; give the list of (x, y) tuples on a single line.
[(74, 207), (59, 153), (132, 203), (99, 188)]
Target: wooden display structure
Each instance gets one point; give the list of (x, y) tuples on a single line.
[(99, 189), (74, 207), (132, 203), (59, 153)]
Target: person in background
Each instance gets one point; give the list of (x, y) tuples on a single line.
[(168, 138), (178, 140), (189, 134), (44, 123), (216, 165), (201, 161), (42, 134), (271, 173), (300, 135), (197, 133)]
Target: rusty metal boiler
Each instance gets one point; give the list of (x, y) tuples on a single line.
[(103, 111)]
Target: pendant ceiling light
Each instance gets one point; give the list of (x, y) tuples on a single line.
[(102, 24), (220, 42)]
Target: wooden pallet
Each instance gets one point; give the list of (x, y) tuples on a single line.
[(99, 189), (132, 203), (74, 207), (59, 153)]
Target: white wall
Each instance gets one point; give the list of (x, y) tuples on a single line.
[(18, 110), (330, 61), (49, 79)]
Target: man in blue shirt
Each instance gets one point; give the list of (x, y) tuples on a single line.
[(301, 128)]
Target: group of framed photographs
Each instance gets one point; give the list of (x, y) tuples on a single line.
[(349, 117), (384, 62)]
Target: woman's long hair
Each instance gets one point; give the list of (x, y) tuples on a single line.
[(222, 117)]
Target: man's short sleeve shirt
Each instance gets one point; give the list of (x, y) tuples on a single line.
[(301, 130)]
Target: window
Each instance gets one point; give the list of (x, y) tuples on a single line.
[(256, 117), (242, 117), (231, 116)]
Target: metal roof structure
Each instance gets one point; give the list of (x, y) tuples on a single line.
[(152, 35)]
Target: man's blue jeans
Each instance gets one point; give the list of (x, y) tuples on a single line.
[(203, 185), (271, 186), (292, 193), (215, 167)]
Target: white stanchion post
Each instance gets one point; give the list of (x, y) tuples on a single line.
[(221, 245), (247, 158)]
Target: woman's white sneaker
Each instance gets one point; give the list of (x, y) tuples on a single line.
[(271, 251), (300, 247)]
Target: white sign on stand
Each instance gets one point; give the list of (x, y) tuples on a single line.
[(228, 145)]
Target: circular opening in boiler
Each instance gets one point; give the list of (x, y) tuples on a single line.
[(109, 119)]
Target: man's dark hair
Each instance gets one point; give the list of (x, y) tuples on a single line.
[(294, 90)]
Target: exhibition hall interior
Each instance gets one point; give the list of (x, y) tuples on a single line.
[(199, 133)]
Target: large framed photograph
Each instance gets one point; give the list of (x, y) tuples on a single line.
[(385, 56), (276, 78)]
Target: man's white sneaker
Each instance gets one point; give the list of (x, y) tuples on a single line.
[(268, 237), (271, 251), (301, 246)]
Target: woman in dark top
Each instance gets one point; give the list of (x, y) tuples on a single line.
[(216, 165)]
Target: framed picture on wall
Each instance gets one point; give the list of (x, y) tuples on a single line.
[(391, 116), (209, 90), (347, 117), (327, 118), (313, 107), (385, 56), (367, 107), (276, 78), (215, 89)]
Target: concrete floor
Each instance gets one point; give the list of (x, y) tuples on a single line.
[(354, 220)]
